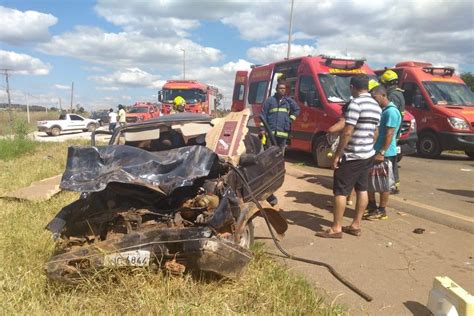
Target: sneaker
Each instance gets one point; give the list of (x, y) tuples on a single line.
[(376, 216), (371, 208)]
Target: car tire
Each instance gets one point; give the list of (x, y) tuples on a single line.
[(247, 238), (470, 154), (428, 145), (55, 131), (91, 127), (49, 133), (319, 152)]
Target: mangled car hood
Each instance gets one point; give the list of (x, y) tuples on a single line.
[(90, 169)]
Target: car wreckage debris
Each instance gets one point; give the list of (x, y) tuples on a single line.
[(179, 209)]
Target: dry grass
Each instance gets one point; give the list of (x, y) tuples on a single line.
[(266, 287), (5, 123)]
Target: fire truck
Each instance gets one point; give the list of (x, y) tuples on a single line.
[(320, 86), (442, 104), (200, 97)]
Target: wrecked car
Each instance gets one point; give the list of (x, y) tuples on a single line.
[(178, 192)]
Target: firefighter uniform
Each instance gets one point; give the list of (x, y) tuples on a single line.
[(280, 113)]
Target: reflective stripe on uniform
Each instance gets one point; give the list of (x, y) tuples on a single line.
[(278, 110), (281, 134), (292, 117)]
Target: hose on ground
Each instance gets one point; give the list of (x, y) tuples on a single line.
[(333, 271)]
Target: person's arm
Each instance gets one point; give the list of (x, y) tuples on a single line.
[(385, 144), (264, 113), (338, 127), (345, 138), (294, 109)]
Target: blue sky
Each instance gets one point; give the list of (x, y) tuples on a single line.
[(122, 52)]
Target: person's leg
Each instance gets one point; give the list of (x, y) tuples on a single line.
[(338, 212), (396, 175), (361, 204), (282, 143), (350, 197)]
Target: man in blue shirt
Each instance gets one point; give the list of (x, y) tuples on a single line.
[(385, 147)]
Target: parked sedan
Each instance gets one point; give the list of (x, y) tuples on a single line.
[(177, 192)]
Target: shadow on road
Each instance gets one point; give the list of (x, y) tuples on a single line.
[(318, 200), (325, 181), (312, 221), (417, 309), (299, 157), (467, 193)]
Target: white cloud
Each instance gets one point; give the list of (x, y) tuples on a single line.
[(20, 27), (128, 49), (107, 88), (221, 77), (62, 87), (130, 77), (274, 52), (23, 64)]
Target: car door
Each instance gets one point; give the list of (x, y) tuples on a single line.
[(417, 105), (266, 175), (77, 122)]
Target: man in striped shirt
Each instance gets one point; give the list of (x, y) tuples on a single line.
[(354, 156)]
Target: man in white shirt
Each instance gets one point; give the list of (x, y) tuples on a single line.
[(122, 115), (112, 120)]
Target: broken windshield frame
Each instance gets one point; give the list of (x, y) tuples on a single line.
[(448, 93)]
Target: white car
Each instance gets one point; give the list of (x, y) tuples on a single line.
[(67, 122)]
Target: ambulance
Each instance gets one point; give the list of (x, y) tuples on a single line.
[(320, 86), (443, 106)]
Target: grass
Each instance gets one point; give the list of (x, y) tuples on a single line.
[(6, 124), (266, 287)]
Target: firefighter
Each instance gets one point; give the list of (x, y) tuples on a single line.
[(179, 104), (280, 111), (390, 80)]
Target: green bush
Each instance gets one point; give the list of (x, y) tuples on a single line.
[(18, 143)]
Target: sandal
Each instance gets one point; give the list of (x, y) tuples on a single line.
[(352, 231), (328, 233)]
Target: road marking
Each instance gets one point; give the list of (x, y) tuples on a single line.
[(434, 209)]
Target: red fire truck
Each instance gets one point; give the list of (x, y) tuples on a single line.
[(320, 86), (442, 104), (200, 97)]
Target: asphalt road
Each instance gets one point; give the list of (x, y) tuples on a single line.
[(441, 190)]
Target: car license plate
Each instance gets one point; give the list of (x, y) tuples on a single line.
[(134, 258), (399, 149)]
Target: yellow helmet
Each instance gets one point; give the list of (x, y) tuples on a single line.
[(388, 75), (373, 84)]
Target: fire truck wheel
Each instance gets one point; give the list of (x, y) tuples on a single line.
[(428, 145), (470, 154)]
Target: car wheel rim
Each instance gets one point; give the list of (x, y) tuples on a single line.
[(427, 145), (245, 238)]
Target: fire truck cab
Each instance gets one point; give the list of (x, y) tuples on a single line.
[(443, 107), (320, 86), (200, 97)]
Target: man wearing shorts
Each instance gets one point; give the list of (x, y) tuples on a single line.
[(385, 147), (354, 156)]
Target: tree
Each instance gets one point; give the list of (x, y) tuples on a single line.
[(468, 78), (81, 110)]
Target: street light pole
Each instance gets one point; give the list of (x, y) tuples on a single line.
[(290, 30), (184, 63)]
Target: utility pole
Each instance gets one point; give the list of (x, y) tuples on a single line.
[(290, 30), (60, 105), (5, 72), (27, 108), (184, 63), (72, 95)]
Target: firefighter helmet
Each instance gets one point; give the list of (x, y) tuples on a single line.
[(388, 76), (373, 84)]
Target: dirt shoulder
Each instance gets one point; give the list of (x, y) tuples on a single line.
[(389, 262)]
